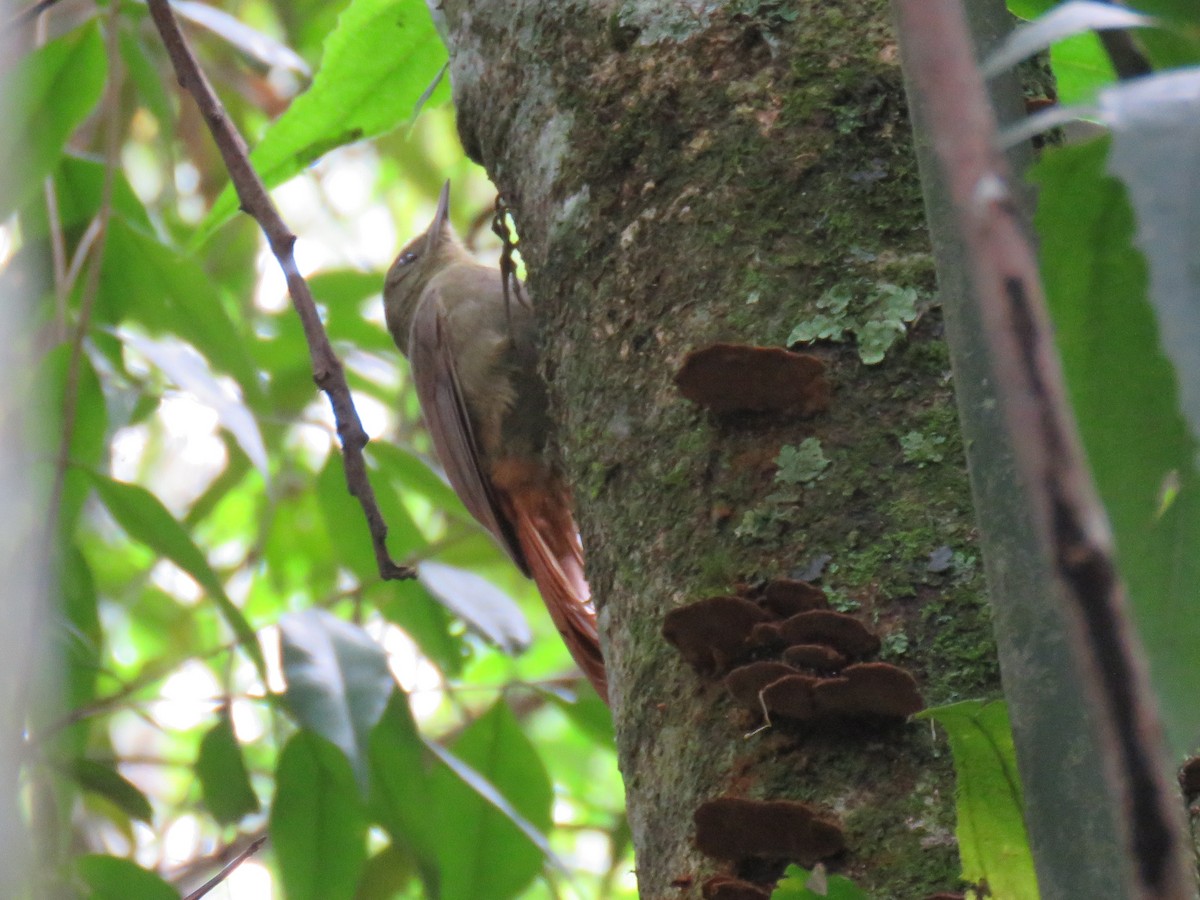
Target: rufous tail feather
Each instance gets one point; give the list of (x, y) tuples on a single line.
[(550, 544)]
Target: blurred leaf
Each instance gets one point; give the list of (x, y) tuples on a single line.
[(1155, 124), (494, 800), (78, 186), (1124, 394), (590, 715), (408, 605), (46, 95), (144, 280), (147, 521), (114, 878), (318, 826), (377, 62), (801, 884), (479, 603), (139, 64), (338, 681), (991, 833), (82, 638), (348, 533), (106, 781), (342, 295), (406, 471), (401, 796), (222, 773), (261, 47), (189, 371), (1081, 67), (386, 875), (1063, 21), (88, 436)]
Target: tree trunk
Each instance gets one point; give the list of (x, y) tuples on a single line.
[(683, 174)]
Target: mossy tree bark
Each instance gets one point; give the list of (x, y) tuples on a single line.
[(689, 173)]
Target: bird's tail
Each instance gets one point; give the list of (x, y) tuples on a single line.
[(545, 530)]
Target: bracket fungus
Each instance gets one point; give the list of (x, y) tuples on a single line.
[(786, 597), (732, 378), (738, 829), (833, 629), (864, 690), (712, 633), (814, 656), (746, 682)]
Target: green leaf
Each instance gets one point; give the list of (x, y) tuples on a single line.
[(408, 605), (78, 184), (102, 779), (800, 884), (46, 96), (349, 536), (376, 65), (114, 878), (224, 781), (479, 603), (81, 641), (401, 798), (147, 521), (992, 841), (483, 852), (168, 293), (338, 681), (1125, 398), (88, 434), (318, 825), (386, 875)]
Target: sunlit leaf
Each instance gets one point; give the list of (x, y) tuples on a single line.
[(479, 603), (318, 825), (1066, 20), (250, 41), (494, 799), (377, 62), (801, 884), (338, 681), (46, 95), (114, 878), (224, 781), (147, 521), (1124, 394), (102, 779), (992, 841)]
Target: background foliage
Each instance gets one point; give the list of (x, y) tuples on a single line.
[(230, 662)]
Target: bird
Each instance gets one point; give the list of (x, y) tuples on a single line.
[(473, 353)]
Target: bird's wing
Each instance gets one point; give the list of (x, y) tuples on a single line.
[(449, 422)]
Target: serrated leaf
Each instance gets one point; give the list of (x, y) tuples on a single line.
[(494, 797), (45, 97), (115, 878), (102, 779), (992, 840), (1125, 396), (338, 681), (1067, 19), (224, 782), (375, 66), (318, 824), (147, 521), (479, 603)]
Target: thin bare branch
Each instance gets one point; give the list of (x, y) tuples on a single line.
[(249, 851), (252, 194), (1070, 522)]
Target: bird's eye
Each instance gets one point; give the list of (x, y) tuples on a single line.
[(406, 259)]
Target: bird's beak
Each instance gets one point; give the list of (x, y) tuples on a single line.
[(440, 218)]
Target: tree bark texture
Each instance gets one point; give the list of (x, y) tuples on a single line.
[(689, 173)]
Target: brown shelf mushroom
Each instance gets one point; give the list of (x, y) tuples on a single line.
[(729, 378), (713, 633), (735, 828)]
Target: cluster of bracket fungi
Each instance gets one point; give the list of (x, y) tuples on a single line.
[(779, 649), (781, 652)]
